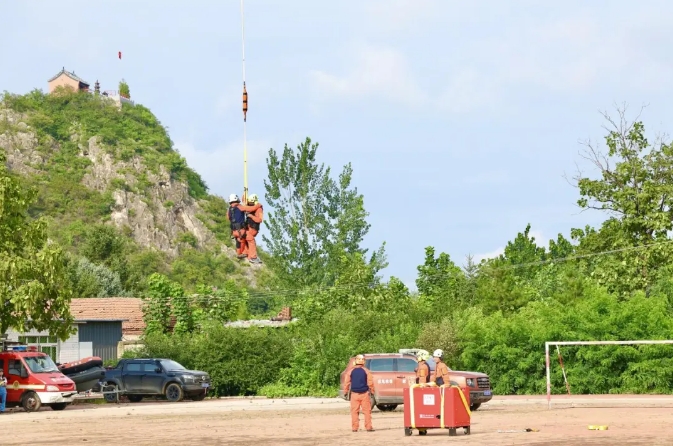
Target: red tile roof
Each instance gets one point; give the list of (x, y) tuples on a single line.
[(106, 308)]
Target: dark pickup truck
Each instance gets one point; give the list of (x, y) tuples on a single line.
[(139, 378)]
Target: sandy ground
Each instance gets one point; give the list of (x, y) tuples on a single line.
[(308, 421)]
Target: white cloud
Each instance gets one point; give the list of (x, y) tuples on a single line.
[(378, 71), (488, 255), (467, 90), (222, 168), (397, 15), (540, 240), (570, 52)]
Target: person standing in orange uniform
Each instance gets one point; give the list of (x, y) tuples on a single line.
[(253, 224), (423, 369), (358, 385), (441, 369)]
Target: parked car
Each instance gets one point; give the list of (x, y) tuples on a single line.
[(139, 378), (33, 380), (392, 372)]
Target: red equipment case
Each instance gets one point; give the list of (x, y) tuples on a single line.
[(433, 407)]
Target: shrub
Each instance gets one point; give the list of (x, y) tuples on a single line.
[(239, 361)]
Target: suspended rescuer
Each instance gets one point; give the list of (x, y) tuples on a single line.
[(237, 224), (358, 385), (441, 369), (253, 222), (423, 369)]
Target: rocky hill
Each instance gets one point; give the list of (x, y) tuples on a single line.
[(117, 194)]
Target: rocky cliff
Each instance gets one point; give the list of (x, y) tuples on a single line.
[(94, 163)]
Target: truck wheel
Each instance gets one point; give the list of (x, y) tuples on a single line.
[(174, 392), (110, 397), (475, 406), (386, 407), (31, 402), (135, 398), (407, 431), (58, 406)]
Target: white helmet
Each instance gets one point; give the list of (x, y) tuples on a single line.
[(233, 197), (438, 353)]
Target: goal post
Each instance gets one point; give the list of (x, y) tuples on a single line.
[(561, 343)]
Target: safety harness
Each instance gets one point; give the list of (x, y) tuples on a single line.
[(253, 224), (236, 218)]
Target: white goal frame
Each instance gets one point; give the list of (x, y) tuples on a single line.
[(561, 343)]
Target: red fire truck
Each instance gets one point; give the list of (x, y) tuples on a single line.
[(34, 380)]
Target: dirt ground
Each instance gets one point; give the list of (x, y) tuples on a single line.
[(307, 421)]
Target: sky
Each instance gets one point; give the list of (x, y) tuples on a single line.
[(460, 119)]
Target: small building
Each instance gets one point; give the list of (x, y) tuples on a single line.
[(128, 309), (105, 327), (68, 80), (91, 338)]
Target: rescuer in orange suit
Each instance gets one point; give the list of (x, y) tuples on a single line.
[(253, 223), (423, 369), (237, 225), (358, 385), (441, 369)]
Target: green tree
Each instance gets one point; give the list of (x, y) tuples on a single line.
[(315, 219), (635, 189), (441, 282), (104, 245), (506, 283), (34, 288), (93, 280), (124, 90), (157, 303)]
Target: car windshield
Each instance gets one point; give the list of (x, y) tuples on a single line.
[(171, 365), (40, 364)]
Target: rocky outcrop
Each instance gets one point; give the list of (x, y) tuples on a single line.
[(20, 144), (148, 204), (157, 211)]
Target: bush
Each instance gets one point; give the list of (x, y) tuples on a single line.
[(239, 361), (511, 349), (322, 347)]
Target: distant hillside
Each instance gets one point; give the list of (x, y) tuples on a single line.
[(117, 194)]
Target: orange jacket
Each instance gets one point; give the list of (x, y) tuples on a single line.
[(370, 380), (422, 372), (255, 211), (442, 370)]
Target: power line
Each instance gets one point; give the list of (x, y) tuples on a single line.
[(200, 298)]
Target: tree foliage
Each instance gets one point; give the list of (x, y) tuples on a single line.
[(635, 189), (315, 219), (124, 90), (34, 288)]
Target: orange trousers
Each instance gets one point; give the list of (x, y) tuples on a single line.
[(251, 243), (361, 400), (242, 244)]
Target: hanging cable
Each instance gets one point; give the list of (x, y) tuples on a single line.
[(244, 199)]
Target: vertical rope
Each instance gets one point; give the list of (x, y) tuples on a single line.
[(245, 112)]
